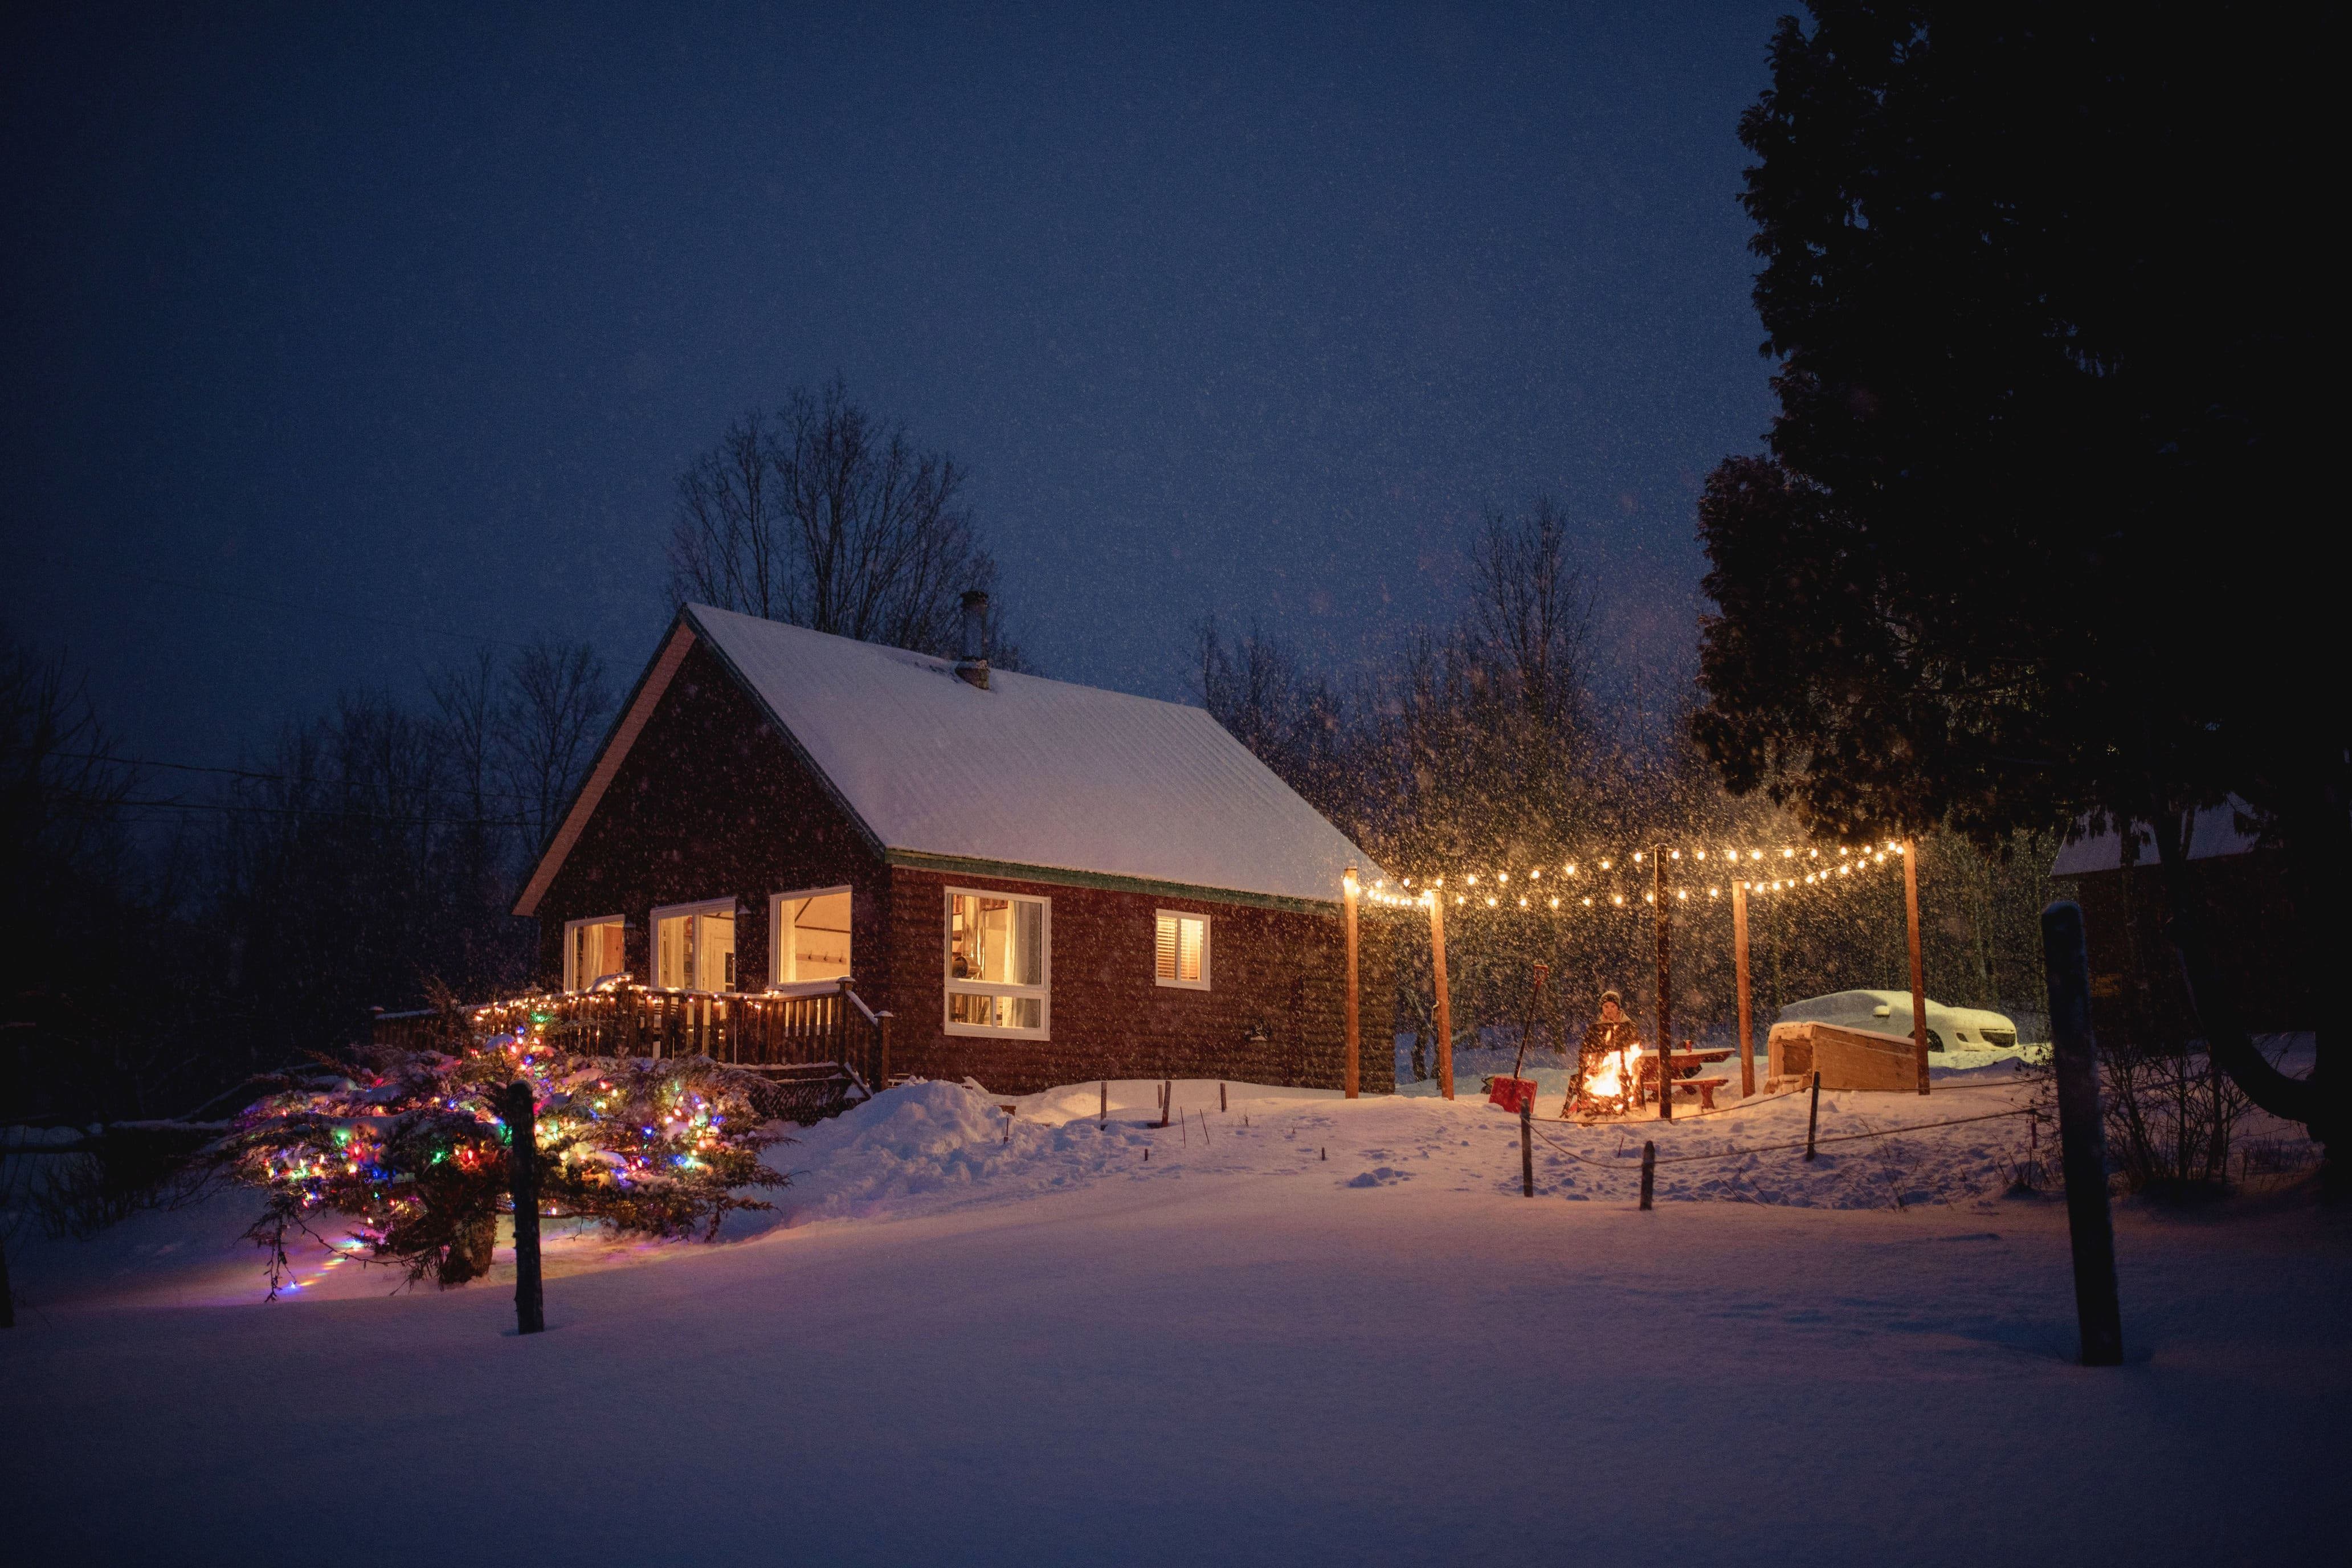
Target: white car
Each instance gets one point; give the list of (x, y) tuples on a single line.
[(1889, 1013)]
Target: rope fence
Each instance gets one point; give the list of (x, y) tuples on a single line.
[(1611, 1163)]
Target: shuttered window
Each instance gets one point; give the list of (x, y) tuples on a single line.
[(1180, 950)]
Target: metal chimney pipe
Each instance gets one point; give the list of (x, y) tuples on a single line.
[(973, 665)]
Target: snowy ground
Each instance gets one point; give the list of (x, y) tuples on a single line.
[(1304, 1329)]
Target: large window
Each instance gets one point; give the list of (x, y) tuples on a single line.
[(999, 963), (1181, 951), (694, 946), (592, 952), (811, 935)]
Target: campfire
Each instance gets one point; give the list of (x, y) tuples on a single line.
[(1608, 1080)]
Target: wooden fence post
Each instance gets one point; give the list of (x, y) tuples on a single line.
[(1649, 1170), (1351, 1079), (1740, 968), (1444, 1007), (522, 1179), (1918, 975), (2081, 1140), (1813, 1117), (1527, 1146), (1665, 981)]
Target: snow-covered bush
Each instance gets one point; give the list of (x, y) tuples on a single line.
[(407, 1151)]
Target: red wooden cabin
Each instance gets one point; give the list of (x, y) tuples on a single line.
[(1043, 883)]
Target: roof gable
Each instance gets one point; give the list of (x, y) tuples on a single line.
[(1032, 772)]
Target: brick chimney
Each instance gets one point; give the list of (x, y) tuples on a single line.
[(973, 665)]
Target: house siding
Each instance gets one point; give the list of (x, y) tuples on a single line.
[(1282, 973), (2137, 994), (712, 801)]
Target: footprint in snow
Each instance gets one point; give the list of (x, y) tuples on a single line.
[(1379, 1176)]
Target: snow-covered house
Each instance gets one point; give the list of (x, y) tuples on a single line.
[(1042, 883), (2137, 990)]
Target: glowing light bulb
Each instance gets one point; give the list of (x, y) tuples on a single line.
[(1555, 903)]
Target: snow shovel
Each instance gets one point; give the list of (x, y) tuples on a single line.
[(1514, 1091)]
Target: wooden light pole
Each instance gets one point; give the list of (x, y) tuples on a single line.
[(1349, 887), (1740, 968), (1444, 1007), (1665, 1020), (1918, 975)]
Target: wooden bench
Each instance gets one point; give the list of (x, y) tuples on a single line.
[(1701, 1087)]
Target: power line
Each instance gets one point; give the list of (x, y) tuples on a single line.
[(516, 795), (354, 812), (279, 604)]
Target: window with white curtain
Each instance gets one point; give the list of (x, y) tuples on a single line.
[(694, 946), (999, 963), (593, 951), (1181, 951)]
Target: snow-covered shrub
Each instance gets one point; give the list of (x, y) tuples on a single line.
[(408, 1151)]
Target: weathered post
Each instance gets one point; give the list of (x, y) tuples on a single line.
[(1221, 1097), (1167, 1098), (1527, 1148), (1444, 1007), (1740, 968), (1649, 1170), (1813, 1117), (1105, 1102), (1919, 974), (2081, 1140), (1665, 1019), (523, 1178), (1348, 889)]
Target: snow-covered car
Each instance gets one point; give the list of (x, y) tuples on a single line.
[(1889, 1013)]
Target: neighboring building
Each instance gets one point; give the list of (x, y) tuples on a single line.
[(1044, 883), (2137, 994)]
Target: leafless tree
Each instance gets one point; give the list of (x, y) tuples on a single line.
[(824, 517), (555, 712), (1530, 613)]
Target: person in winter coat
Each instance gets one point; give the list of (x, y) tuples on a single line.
[(1609, 1034)]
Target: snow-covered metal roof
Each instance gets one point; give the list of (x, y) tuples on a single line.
[(1033, 773), (2215, 834)]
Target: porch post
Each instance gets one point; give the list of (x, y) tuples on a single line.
[(1918, 977), (1445, 1006), (1348, 889)]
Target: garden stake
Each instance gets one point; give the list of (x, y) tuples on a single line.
[(1813, 1117), (1528, 1138), (1649, 1170)]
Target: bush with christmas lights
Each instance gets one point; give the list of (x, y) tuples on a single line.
[(406, 1151)]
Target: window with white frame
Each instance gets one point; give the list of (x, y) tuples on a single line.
[(694, 946), (1181, 951), (999, 963), (811, 936), (593, 951)]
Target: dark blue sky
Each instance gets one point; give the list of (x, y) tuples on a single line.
[(414, 316)]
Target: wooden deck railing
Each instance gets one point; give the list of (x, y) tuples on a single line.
[(785, 1032)]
